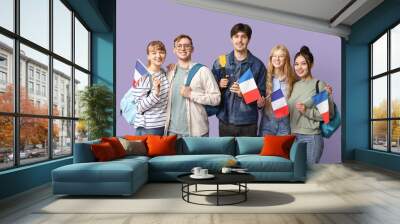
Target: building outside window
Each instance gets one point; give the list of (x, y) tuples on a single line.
[(385, 95), (34, 75)]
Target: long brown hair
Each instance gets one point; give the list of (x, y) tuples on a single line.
[(287, 71)]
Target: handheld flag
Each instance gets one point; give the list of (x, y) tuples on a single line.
[(321, 102), (248, 87), (140, 71), (222, 60), (279, 105)]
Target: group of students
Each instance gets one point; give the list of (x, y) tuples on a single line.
[(170, 104)]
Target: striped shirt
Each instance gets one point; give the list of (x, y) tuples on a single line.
[(151, 109)]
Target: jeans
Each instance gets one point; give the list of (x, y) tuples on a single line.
[(315, 146), (237, 130), (149, 131), (272, 126)]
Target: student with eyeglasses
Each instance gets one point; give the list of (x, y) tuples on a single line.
[(186, 115), (280, 75)]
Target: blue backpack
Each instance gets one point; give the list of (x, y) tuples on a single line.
[(128, 105), (327, 130), (211, 110)]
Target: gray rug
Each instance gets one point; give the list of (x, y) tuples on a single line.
[(166, 198)]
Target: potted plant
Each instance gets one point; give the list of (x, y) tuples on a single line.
[(96, 102)]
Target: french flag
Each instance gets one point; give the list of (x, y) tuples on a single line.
[(279, 105), (248, 87), (321, 101), (140, 71)]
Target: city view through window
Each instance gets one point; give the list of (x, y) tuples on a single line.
[(385, 95), (39, 113)]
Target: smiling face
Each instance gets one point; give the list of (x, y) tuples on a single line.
[(240, 41), (301, 67), (183, 49), (156, 57), (278, 59)]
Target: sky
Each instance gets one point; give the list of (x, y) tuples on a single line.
[(380, 65)]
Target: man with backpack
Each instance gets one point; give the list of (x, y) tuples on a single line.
[(192, 86), (236, 118)]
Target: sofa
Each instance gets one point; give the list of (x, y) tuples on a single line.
[(126, 175)]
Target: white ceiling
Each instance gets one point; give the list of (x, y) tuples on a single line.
[(326, 16)]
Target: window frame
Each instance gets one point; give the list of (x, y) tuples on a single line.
[(388, 74), (16, 114)]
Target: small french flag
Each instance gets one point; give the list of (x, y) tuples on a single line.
[(321, 101), (248, 87), (140, 71), (279, 105)]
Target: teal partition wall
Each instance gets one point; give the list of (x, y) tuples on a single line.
[(357, 99), (103, 62), (99, 15)]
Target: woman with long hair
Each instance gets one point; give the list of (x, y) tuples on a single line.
[(280, 75), (304, 116)]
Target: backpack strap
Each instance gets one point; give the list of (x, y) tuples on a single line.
[(151, 85), (192, 72), (317, 87)]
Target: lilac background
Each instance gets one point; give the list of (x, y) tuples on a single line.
[(140, 22)]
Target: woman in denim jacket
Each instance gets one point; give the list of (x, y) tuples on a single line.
[(280, 75)]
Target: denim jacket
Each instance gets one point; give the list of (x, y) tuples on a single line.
[(233, 109)]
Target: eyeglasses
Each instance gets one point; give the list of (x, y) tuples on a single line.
[(181, 46), (279, 56)]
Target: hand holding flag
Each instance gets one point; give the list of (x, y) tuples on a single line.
[(279, 105), (140, 71), (248, 87), (321, 102)]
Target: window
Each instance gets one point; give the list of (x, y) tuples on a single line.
[(62, 29), (54, 125), (3, 78), (81, 81), (7, 142), (37, 75), (30, 72), (3, 72), (7, 14), (6, 73), (62, 74), (35, 22), (44, 91), (30, 87), (38, 89), (81, 45), (3, 61), (385, 96)]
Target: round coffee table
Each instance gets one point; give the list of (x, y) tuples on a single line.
[(238, 179)]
